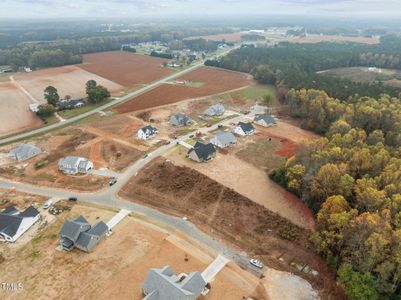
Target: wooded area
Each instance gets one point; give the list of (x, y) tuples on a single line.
[(351, 179), (295, 65)]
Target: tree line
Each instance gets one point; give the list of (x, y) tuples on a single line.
[(351, 179), (296, 65)]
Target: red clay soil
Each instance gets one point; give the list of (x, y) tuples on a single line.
[(127, 69), (288, 147), (215, 81)]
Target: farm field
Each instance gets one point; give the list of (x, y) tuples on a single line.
[(217, 209), (124, 68), (69, 80), (14, 110), (215, 81), (228, 37), (118, 265), (362, 74)]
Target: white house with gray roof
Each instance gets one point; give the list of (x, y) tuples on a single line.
[(265, 120), (223, 139), (215, 110), (180, 120), (72, 165), (147, 132), (165, 284), (24, 152), (14, 223), (80, 234), (244, 129)]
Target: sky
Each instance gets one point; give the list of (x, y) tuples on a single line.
[(131, 8)]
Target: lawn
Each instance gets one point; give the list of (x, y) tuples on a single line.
[(251, 93), (69, 113)]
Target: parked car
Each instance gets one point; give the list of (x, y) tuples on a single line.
[(47, 204), (191, 136), (256, 263), (146, 155), (112, 181), (73, 199), (219, 126)]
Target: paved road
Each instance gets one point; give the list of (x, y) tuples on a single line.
[(108, 105), (109, 197)]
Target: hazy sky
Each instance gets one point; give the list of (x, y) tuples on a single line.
[(132, 8)]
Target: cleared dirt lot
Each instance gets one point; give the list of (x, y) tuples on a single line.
[(127, 69), (117, 267), (69, 80), (14, 110), (215, 81), (224, 213), (334, 38)]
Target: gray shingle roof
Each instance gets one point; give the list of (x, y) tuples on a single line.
[(30, 212), (180, 119), (25, 151), (11, 219), (267, 118), (215, 110), (164, 284), (203, 151), (225, 138), (246, 127)]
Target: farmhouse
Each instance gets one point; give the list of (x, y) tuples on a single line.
[(34, 107), (265, 120), (180, 120), (215, 110), (202, 152), (14, 223), (147, 132), (72, 165), (70, 104), (165, 284), (79, 233), (244, 129), (24, 152), (223, 139)]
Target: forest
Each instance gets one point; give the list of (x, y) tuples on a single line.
[(351, 179), (295, 65)]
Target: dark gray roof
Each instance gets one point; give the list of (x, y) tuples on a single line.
[(11, 210), (149, 130), (25, 151), (30, 212), (81, 219), (246, 127), (180, 119), (72, 229), (203, 151), (267, 118), (9, 224), (99, 229), (225, 138)]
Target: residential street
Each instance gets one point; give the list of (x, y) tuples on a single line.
[(109, 197)]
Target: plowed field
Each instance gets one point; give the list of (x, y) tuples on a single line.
[(127, 69), (215, 81)]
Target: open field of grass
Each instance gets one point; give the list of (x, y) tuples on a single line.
[(390, 77), (69, 113), (251, 93)]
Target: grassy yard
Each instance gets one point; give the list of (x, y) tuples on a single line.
[(5, 77), (67, 114), (251, 93)]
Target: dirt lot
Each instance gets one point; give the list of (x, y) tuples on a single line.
[(14, 110), (127, 69), (118, 265), (70, 141), (334, 38), (227, 214), (216, 81), (69, 80)]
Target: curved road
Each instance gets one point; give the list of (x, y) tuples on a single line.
[(129, 96), (109, 197)]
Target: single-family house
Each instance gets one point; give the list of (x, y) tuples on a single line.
[(80, 234), (14, 223), (244, 129), (73, 165), (70, 104), (223, 139), (165, 284), (147, 132), (265, 120), (202, 152), (24, 152), (34, 107), (214, 110), (258, 109), (180, 120)]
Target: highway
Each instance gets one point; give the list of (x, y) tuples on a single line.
[(129, 96)]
